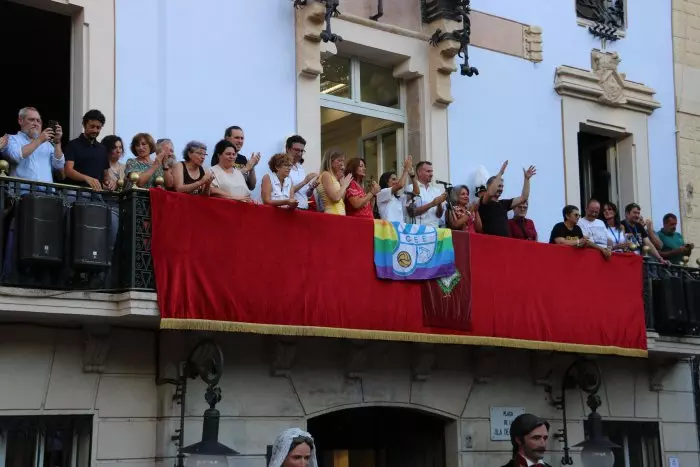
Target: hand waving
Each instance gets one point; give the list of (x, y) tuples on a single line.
[(530, 172), (345, 181)]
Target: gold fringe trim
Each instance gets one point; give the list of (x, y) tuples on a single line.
[(311, 331)]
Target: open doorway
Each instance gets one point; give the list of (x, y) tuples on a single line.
[(598, 168), (379, 437), (36, 54), (377, 141)]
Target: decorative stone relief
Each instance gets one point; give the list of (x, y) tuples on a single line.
[(532, 43), (658, 370), (442, 63), (283, 354), (309, 26), (422, 361), (356, 365), (605, 84), (96, 351)]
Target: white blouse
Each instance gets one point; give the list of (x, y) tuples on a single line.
[(232, 183), (280, 191)]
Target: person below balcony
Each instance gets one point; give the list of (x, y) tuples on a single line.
[(615, 229), (189, 176), (636, 232), (115, 151), (592, 227), (229, 181), (520, 226), (390, 199), (293, 448), (674, 247), (333, 184), (142, 146), (528, 436), (34, 154), (463, 215), (304, 184), (425, 202), (357, 202), (493, 209), (87, 160), (277, 188)]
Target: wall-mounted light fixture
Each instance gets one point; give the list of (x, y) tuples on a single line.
[(206, 361), (455, 10), (597, 451)]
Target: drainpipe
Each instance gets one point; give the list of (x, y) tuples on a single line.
[(695, 371)]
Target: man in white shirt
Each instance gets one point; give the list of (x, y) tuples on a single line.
[(425, 202), (594, 229), (35, 152), (304, 184)]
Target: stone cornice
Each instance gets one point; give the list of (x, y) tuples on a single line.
[(605, 84)]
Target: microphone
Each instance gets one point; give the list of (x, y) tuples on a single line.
[(440, 182)]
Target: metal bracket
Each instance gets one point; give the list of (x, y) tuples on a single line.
[(332, 11), (463, 36), (608, 18), (380, 11)]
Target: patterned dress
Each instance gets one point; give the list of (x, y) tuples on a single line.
[(353, 191), (135, 165)]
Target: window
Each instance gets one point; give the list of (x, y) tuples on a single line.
[(639, 443), (598, 168), (362, 113), (53, 441)]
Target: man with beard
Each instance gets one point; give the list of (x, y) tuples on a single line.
[(87, 161), (528, 435), (35, 152), (638, 235), (494, 210)]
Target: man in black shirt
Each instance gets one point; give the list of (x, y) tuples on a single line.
[(637, 232), (87, 161), (493, 210), (234, 134)]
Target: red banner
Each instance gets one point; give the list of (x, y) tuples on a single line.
[(222, 265)]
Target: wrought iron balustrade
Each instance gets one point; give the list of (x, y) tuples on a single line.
[(131, 264), (672, 298)]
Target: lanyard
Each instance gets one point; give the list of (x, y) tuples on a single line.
[(616, 237)]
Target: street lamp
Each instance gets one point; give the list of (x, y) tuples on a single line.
[(597, 449), (206, 361)]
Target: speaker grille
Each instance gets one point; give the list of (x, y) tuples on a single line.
[(90, 223), (40, 229)]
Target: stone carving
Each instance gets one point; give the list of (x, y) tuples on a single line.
[(357, 360), (422, 361), (605, 84), (310, 22), (611, 81), (532, 43), (283, 354), (96, 351)]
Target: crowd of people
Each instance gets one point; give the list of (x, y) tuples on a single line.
[(36, 153)]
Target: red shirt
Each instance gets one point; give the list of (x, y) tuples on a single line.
[(522, 229), (355, 190)]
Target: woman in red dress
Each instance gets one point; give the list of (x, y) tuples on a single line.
[(357, 202)]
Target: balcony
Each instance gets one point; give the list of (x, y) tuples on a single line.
[(124, 290)]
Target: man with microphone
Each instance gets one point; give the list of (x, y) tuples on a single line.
[(426, 202)]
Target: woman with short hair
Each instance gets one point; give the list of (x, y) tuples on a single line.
[(277, 188), (462, 215), (142, 146), (189, 176)]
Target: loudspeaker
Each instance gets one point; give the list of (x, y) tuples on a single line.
[(90, 223), (40, 229), (691, 287), (670, 312)]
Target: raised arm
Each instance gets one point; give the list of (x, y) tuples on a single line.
[(527, 174), (407, 168)]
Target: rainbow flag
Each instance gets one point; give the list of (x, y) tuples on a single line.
[(412, 252)]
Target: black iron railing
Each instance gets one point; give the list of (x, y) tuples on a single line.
[(129, 265), (672, 298)]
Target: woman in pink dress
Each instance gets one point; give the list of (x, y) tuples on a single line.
[(357, 202), (463, 216)]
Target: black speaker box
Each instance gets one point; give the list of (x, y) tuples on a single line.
[(691, 287), (670, 312), (40, 229), (90, 224)]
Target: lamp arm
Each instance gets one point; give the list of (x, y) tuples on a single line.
[(181, 440), (566, 460)]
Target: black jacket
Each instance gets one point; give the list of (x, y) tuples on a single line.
[(512, 464)]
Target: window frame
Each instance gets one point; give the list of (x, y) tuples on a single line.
[(356, 105), (378, 136)]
